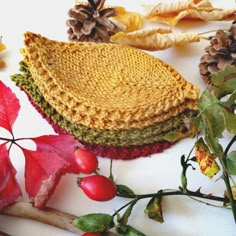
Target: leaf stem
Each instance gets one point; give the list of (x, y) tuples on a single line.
[(7, 139), (226, 178), (178, 192), (124, 206), (229, 145)]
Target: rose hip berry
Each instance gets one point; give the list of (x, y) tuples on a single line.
[(91, 234), (98, 187), (86, 161)]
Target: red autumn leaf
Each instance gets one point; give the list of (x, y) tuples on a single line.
[(43, 171), (9, 188), (9, 107), (54, 156), (63, 145)]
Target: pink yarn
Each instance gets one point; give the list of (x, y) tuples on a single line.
[(128, 153)]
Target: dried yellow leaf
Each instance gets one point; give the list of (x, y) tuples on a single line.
[(154, 39), (172, 13), (132, 20), (2, 47), (2, 64)]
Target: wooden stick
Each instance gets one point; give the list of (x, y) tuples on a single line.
[(48, 216)]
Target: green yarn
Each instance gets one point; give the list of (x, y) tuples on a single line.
[(129, 137)]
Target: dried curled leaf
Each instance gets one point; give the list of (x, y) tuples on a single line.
[(2, 48), (131, 20), (172, 13), (205, 159), (154, 39)]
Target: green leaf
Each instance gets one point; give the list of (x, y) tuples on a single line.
[(154, 209), (125, 217), (195, 122), (213, 121), (230, 102), (206, 100), (219, 78), (230, 120), (125, 191), (231, 163), (212, 113), (214, 145), (224, 82), (127, 230), (95, 222)]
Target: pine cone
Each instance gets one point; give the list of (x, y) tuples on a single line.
[(90, 22), (219, 54)]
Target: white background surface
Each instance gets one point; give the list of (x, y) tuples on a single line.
[(183, 216)]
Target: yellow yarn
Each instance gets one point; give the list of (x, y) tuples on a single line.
[(106, 86)]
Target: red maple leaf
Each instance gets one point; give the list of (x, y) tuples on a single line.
[(9, 107), (53, 157), (9, 188)]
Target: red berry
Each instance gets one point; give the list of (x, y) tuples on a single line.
[(98, 187), (91, 234), (86, 161)]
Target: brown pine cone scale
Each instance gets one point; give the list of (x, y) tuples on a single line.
[(219, 54), (90, 22)]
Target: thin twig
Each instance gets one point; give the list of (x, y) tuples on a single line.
[(177, 192), (226, 178)]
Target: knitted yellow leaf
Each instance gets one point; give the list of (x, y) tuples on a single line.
[(132, 20), (154, 39), (172, 13), (2, 47), (205, 159)]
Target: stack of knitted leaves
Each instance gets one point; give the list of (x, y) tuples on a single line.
[(120, 102)]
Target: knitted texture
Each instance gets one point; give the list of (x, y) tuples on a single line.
[(128, 153), (106, 86), (149, 134), (112, 152)]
